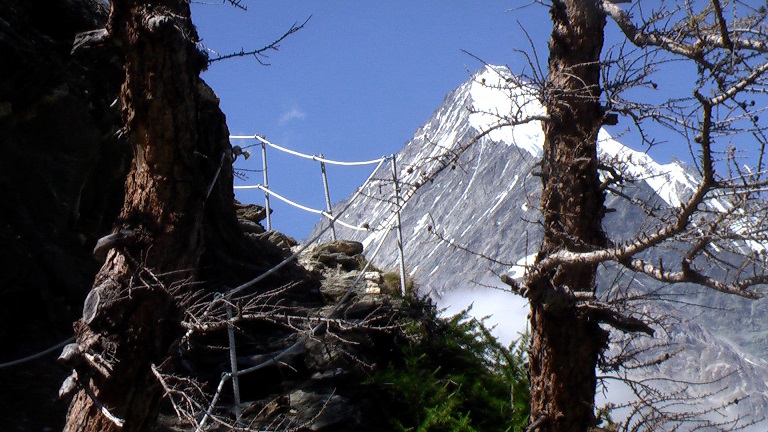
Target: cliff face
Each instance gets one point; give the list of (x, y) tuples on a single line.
[(61, 165), (62, 168)]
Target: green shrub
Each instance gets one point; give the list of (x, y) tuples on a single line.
[(455, 376), (391, 283)]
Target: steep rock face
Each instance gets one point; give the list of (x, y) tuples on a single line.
[(62, 166), (467, 223), (62, 169)]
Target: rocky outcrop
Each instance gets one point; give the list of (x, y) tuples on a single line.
[(327, 390), (323, 384), (347, 255), (250, 216)]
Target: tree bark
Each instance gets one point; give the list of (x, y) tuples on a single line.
[(169, 226), (565, 344)]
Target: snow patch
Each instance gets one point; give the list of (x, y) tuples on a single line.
[(518, 270), (494, 102), (421, 223), (670, 182)]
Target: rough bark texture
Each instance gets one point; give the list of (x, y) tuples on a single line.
[(171, 227), (565, 344)]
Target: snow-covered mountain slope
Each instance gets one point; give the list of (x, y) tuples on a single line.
[(468, 218)]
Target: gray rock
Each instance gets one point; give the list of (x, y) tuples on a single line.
[(251, 212), (346, 247)]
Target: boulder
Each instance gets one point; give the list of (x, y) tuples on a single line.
[(344, 254), (346, 247), (251, 212), (282, 241)]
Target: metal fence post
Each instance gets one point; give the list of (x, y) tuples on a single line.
[(266, 183), (327, 195), (400, 257), (233, 363)]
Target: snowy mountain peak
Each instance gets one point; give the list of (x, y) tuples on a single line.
[(489, 131), (671, 182)]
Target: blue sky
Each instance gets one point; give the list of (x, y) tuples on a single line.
[(354, 84)]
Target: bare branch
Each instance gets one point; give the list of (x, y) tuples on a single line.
[(609, 315), (718, 38), (691, 276), (642, 39), (260, 54), (756, 74), (726, 40)]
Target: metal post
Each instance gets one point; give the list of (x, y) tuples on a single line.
[(233, 363), (327, 196), (266, 183), (400, 257)]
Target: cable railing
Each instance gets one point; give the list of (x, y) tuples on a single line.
[(305, 208), (319, 158), (268, 192), (227, 296)]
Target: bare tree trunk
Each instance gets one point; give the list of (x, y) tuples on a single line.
[(565, 344), (168, 223)]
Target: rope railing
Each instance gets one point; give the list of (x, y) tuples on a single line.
[(308, 156), (321, 159), (232, 292), (229, 294), (36, 355), (301, 249), (393, 221), (305, 208)]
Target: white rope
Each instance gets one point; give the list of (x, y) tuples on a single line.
[(303, 207), (307, 156), (357, 193), (224, 377), (281, 198), (365, 183), (344, 224), (293, 256), (334, 311)]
